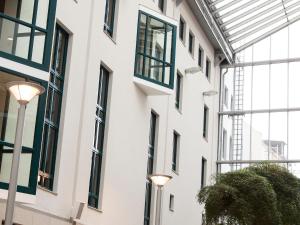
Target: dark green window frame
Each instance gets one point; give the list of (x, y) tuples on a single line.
[(99, 133), (176, 141), (205, 122), (109, 18), (35, 150), (208, 69), (181, 29), (159, 64), (53, 109), (48, 31), (161, 5), (191, 43), (203, 172), (178, 91), (150, 167)]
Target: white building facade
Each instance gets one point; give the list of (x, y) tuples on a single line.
[(129, 94)]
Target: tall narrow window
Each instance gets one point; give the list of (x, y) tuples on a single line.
[(97, 149), (178, 91), (225, 100), (191, 43), (53, 109), (109, 16), (161, 5), (175, 151), (200, 57), (182, 29), (150, 165), (171, 203), (208, 69), (224, 144), (205, 122), (203, 172)]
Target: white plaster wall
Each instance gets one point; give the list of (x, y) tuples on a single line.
[(127, 124)]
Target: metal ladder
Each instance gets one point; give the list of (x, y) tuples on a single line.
[(238, 120)]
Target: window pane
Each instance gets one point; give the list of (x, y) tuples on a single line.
[(58, 63), (42, 13), (260, 91), (294, 35), (6, 154), (293, 139), (155, 39), (169, 44), (109, 16), (14, 38), (142, 33), (19, 9), (280, 38), (278, 136), (261, 51), (8, 114), (294, 81), (56, 107), (259, 136), (38, 47), (154, 69), (278, 86)]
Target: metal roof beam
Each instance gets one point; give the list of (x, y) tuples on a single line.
[(237, 9), (266, 19), (278, 19), (267, 34), (232, 3), (261, 14), (252, 10), (216, 2)]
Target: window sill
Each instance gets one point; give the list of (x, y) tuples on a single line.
[(206, 139), (110, 37), (95, 209), (150, 88), (47, 190), (175, 172), (179, 110)]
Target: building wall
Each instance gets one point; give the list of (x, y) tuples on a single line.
[(123, 178)]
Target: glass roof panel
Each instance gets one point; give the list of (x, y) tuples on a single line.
[(245, 22)]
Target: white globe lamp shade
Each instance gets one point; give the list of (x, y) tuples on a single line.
[(160, 179)]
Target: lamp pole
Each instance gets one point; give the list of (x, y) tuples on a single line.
[(159, 180), (23, 92), (13, 180)]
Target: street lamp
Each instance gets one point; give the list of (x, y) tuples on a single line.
[(159, 180), (24, 92)]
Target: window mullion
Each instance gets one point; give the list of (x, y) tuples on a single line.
[(35, 8)]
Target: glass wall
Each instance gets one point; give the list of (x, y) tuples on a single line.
[(263, 117), (26, 30), (32, 127)]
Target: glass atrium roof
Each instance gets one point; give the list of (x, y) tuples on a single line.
[(245, 22)]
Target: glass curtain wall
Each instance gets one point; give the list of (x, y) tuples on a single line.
[(261, 118)]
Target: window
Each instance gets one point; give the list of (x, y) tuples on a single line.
[(26, 31), (33, 125), (176, 143), (224, 144), (203, 172), (191, 43), (171, 203), (208, 69), (182, 29), (150, 165), (178, 91), (109, 16), (53, 109), (161, 5), (200, 57), (155, 51), (98, 144), (226, 96), (205, 122)]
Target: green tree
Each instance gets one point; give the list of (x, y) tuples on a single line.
[(263, 194)]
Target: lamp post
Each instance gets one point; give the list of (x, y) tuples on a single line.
[(24, 92), (159, 180)]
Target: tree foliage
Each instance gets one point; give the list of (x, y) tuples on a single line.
[(263, 194)]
